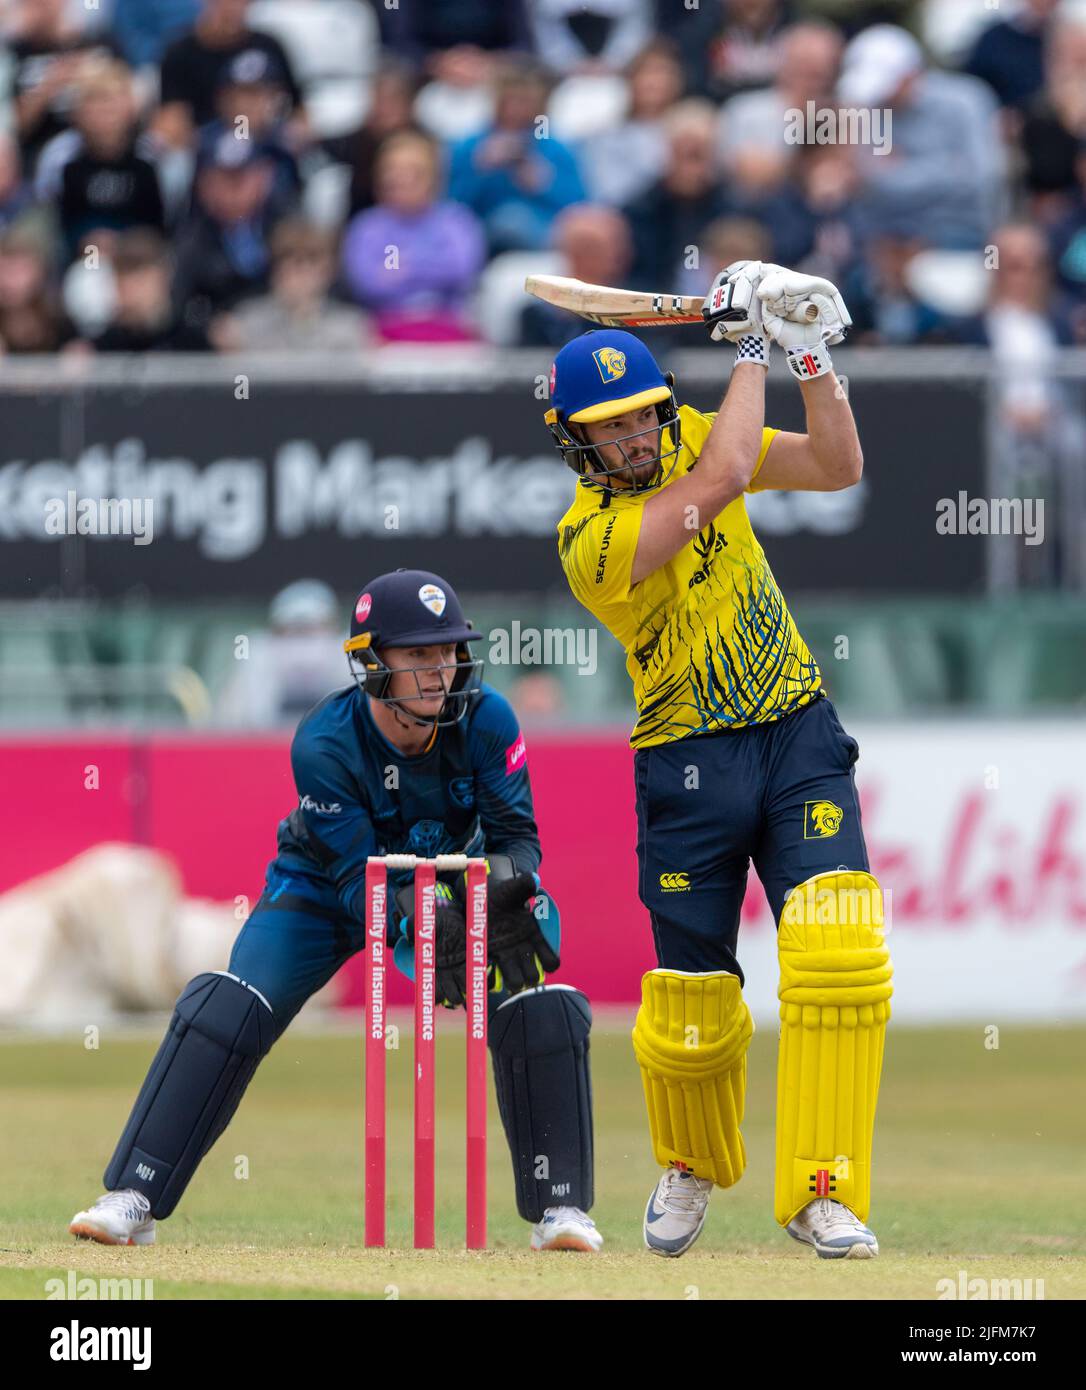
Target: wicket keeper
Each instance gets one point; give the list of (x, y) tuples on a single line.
[(739, 755), (415, 756)]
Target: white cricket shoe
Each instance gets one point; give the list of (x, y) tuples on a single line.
[(676, 1212), (119, 1218), (835, 1232), (566, 1228)]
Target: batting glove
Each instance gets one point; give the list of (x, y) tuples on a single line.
[(734, 311)]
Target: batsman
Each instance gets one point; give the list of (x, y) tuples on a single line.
[(739, 755), (416, 755)]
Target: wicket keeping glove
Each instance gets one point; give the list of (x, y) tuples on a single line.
[(450, 943), (517, 948)]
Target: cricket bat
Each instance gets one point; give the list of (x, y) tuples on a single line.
[(616, 308)]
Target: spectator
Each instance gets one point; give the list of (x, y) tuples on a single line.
[(144, 316), (885, 309), (16, 198), (1009, 54), (596, 246), (143, 28), (731, 239), (252, 100), (31, 318), (575, 35), (514, 181), (193, 67), (751, 130), (744, 51), (812, 218), (1056, 125), (394, 89), (943, 175), (298, 315), (431, 34), (620, 164), (222, 247), (291, 666), (105, 186), (1041, 439), (669, 219), (1068, 242), (48, 54), (419, 289)]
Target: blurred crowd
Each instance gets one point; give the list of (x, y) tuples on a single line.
[(294, 175)]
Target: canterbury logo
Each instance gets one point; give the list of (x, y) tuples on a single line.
[(823, 819), (674, 883)]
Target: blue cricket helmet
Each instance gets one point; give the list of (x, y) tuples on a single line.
[(601, 374), (411, 608)]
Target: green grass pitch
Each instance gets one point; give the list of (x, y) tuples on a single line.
[(978, 1169)]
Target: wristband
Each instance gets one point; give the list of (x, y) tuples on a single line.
[(805, 363), (752, 347)]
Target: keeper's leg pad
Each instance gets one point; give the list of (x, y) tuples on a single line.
[(690, 1039), (220, 1030), (835, 1001), (539, 1046)]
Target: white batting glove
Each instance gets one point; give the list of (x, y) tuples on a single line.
[(786, 294), (732, 307)]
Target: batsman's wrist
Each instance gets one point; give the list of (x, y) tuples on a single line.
[(752, 347), (806, 363)]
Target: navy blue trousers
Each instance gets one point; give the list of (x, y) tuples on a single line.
[(782, 795)]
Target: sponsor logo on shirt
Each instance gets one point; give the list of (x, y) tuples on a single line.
[(516, 757), (324, 808), (604, 548)]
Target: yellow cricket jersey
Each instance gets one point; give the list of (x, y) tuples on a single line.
[(710, 643)]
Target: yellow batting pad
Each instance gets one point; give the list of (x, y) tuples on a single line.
[(690, 1039), (835, 1001)]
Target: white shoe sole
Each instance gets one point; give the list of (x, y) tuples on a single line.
[(565, 1240), (87, 1230), (858, 1251)]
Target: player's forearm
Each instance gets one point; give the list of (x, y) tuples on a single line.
[(729, 455), (831, 430), (724, 468)]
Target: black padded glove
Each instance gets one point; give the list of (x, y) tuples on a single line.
[(515, 944)]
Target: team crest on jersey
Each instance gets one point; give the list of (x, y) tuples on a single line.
[(821, 820), (426, 838), (462, 791), (610, 362), (433, 598)]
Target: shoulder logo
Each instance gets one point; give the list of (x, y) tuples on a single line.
[(570, 534), (610, 363), (516, 756), (821, 820), (324, 808), (433, 598)]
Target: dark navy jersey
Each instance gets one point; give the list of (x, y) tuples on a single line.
[(359, 795)]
